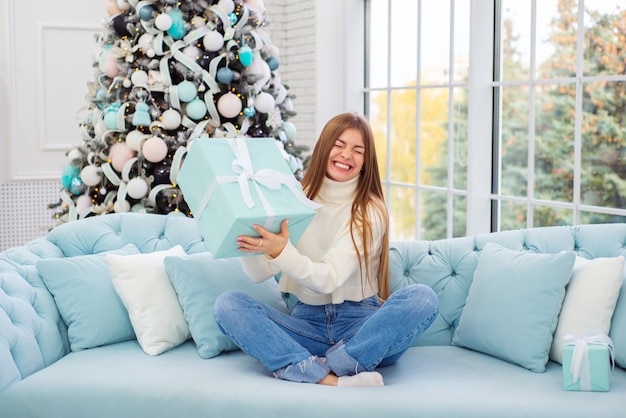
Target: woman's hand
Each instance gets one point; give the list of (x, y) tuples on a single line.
[(267, 242)]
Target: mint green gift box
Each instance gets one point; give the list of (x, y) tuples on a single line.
[(594, 375), (231, 184)]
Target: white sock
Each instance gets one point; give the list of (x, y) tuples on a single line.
[(361, 379)]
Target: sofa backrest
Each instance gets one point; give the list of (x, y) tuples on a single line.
[(32, 332), (33, 335), (448, 265)]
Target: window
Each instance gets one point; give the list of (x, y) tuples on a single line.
[(533, 135)]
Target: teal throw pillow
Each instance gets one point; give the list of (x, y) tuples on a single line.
[(87, 301), (198, 280), (513, 304)]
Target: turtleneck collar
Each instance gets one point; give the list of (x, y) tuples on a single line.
[(339, 191)]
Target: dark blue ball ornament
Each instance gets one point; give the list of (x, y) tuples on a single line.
[(273, 63), (145, 13)]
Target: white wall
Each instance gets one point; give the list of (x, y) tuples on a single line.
[(45, 63)]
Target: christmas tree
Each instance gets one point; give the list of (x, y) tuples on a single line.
[(167, 72)]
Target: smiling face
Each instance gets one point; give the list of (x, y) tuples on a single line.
[(346, 157)]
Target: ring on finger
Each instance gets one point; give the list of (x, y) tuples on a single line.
[(260, 242)]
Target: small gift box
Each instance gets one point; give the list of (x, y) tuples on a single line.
[(232, 183), (587, 363)]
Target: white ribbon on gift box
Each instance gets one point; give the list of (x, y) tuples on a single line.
[(269, 178), (579, 366)]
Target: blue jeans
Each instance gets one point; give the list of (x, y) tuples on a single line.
[(313, 341)]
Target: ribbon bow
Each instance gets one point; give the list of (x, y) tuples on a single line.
[(579, 366), (244, 175)]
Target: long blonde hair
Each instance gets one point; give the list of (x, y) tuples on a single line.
[(369, 191)]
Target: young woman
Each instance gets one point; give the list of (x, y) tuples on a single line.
[(345, 324)]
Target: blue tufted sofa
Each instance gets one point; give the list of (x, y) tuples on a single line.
[(41, 377)]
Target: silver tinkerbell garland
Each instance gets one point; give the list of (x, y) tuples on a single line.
[(167, 72)]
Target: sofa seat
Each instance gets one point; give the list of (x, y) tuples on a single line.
[(121, 380)]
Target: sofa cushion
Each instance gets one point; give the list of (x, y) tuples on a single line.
[(179, 383), (513, 304), (147, 293), (87, 301), (590, 300), (198, 280)]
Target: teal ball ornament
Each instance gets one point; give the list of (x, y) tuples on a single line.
[(187, 91), (196, 109), (289, 129), (177, 30), (249, 111), (224, 75), (77, 187), (246, 55), (273, 63), (68, 173)]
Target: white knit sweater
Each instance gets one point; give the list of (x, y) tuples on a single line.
[(323, 267)]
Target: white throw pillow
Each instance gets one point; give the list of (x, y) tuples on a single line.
[(590, 299), (145, 289)]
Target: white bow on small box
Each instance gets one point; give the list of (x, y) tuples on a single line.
[(580, 366)]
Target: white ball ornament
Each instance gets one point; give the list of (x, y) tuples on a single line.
[(100, 129), (139, 78), (74, 155), (171, 119), (192, 52), (121, 206), (146, 42), (198, 22), (154, 149), (83, 206), (259, 68), (213, 41), (229, 105), (273, 51), (163, 22), (91, 175), (264, 102), (134, 139), (119, 154), (137, 188), (123, 5)]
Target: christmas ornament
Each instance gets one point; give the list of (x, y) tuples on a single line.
[(154, 149), (246, 55), (224, 75), (137, 188), (213, 41), (91, 175), (264, 102), (196, 109), (171, 119), (229, 105), (187, 91), (119, 154)]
